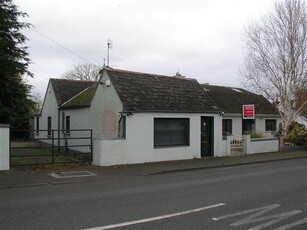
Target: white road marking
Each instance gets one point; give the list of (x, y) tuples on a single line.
[(157, 217), (264, 210), (296, 223), (272, 219)]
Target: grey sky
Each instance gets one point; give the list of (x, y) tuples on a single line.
[(200, 39)]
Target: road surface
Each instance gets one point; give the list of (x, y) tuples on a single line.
[(270, 195)]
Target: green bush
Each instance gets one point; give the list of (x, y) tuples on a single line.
[(255, 134)]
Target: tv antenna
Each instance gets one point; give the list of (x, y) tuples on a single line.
[(110, 46)]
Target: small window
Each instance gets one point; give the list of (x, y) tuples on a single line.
[(270, 125), (37, 126), (227, 127), (49, 126), (171, 132), (122, 127), (67, 124)]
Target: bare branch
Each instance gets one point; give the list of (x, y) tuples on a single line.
[(276, 60), (83, 72)]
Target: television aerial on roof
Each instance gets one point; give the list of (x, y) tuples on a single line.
[(110, 46)]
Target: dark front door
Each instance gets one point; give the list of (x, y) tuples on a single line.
[(248, 125), (206, 136)]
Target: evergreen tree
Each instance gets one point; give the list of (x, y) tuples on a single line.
[(15, 105)]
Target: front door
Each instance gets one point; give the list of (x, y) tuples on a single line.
[(206, 136)]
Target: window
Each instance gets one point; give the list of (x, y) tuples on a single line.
[(49, 126), (270, 125), (122, 127), (171, 132), (37, 126), (67, 124), (227, 127)]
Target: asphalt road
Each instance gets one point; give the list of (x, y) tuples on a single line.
[(269, 195)]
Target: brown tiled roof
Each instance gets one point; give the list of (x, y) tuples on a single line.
[(231, 99), (156, 93), (66, 89), (83, 99)]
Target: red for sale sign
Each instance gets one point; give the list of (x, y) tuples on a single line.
[(248, 111)]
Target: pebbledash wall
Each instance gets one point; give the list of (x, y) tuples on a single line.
[(138, 146), (4, 147)]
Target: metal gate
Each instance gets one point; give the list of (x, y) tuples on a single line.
[(39, 147)]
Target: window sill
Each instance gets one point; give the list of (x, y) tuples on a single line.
[(170, 146)]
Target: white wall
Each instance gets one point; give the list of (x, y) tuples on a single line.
[(260, 145), (302, 120), (50, 108), (79, 119), (259, 123), (138, 147), (226, 148), (4, 147)]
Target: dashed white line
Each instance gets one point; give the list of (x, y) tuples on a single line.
[(157, 217)]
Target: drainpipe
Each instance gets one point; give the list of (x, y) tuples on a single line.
[(59, 124)]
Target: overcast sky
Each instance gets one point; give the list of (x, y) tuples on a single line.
[(202, 39)]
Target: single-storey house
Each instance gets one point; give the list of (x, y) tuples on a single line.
[(66, 106), (148, 117), (231, 100), (140, 117)]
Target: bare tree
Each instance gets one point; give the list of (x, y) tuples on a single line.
[(276, 59), (37, 103), (83, 72)]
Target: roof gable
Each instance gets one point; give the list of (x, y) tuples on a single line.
[(65, 89), (157, 93), (231, 99)]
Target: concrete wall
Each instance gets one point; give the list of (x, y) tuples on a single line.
[(104, 110), (50, 109), (138, 146), (226, 148), (260, 145), (4, 147)]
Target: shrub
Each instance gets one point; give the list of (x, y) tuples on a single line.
[(255, 134), (297, 131)]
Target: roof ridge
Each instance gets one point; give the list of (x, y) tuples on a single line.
[(147, 74), (72, 80)]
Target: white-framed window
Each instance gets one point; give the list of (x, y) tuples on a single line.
[(49, 126), (227, 127), (67, 124), (37, 126), (270, 125), (122, 127)]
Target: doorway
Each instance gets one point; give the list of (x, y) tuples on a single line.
[(207, 134)]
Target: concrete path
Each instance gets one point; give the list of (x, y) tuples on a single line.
[(13, 179)]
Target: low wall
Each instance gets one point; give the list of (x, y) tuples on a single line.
[(109, 152), (226, 147), (260, 145), (4, 147)]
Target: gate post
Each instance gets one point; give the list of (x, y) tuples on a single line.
[(4, 147), (246, 144)]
